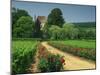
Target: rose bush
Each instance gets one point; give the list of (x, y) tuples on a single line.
[(49, 62), (88, 53)]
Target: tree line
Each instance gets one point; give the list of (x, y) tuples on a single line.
[(55, 27)]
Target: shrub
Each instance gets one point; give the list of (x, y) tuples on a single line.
[(51, 64), (43, 65), (22, 52), (88, 53)]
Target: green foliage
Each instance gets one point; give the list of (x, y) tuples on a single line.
[(54, 29), (24, 27), (68, 31), (85, 24), (88, 53), (22, 53), (45, 31), (54, 32), (71, 31), (17, 13), (86, 30), (37, 32), (51, 64), (55, 63), (43, 65), (55, 17), (87, 33), (91, 32), (18, 28)]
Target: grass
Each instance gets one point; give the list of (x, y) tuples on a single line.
[(80, 43), (80, 48), (24, 43)]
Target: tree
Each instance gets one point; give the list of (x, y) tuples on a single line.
[(37, 32), (70, 31), (91, 33), (56, 17), (82, 33), (24, 27), (45, 31), (17, 13), (54, 32), (14, 18)]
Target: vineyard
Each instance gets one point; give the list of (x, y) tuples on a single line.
[(23, 52)]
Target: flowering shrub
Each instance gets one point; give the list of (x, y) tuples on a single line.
[(49, 62), (89, 53), (43, 65), (43, 53)]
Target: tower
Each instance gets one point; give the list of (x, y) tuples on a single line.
[(34, 17)]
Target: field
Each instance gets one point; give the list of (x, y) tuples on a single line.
[(23, 52), (80, 43), (26, 51), (80, 48)]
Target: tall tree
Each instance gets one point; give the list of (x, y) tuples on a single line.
[(24, 27), (37, 27), (17, 13), (56, 17)]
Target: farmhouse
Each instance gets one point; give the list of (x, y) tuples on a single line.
[(42, 20)]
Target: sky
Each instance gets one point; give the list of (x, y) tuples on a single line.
[(71, 13)]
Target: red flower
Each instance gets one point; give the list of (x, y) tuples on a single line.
[(62, 60)]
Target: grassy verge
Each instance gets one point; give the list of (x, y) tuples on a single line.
[(76, 48), (79, 43)]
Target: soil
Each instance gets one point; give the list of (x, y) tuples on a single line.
[(34, 66)]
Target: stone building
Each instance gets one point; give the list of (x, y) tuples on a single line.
[(42, 20)]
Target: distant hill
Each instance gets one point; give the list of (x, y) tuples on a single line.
[(85, 24)]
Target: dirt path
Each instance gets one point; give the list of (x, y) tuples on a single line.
[(34, 67), (71, 62)]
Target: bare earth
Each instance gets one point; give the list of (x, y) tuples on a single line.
[(34, 68), (71, 62)]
